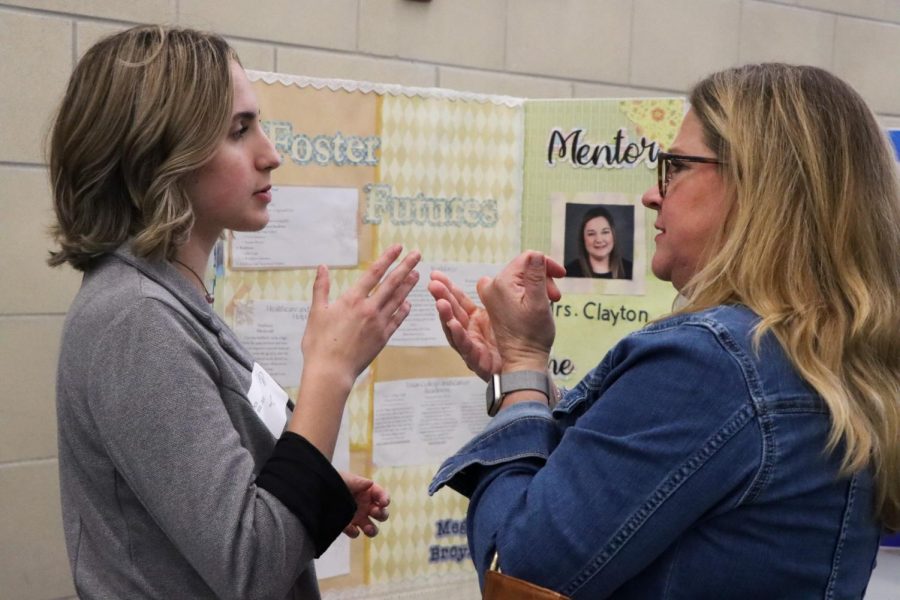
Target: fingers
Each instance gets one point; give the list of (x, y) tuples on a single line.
[(398, 284), (446, 303), (380, 501), (437, 287), (553, 291), (445, 313), (398, 317), (369, 529), (465, 303), (372, 502), (462, 303), (373, 274), (444, 310), (351, 531), (465, 347), (321, 286), (380, 513), (554, 270), (380, 498)]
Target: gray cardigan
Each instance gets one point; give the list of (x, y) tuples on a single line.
[(159, 449)]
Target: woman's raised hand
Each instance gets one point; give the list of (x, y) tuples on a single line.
[(470, 329), (466, 326), (518, 303), (344, 336)]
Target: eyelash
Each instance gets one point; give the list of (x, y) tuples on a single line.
[(676, 165), (240, 132)]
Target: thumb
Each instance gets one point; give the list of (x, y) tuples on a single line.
[(321, 286), (535, 276), (483, 287)]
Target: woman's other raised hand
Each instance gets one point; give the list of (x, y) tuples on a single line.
[(466, 326), (518, 303), (470, 329), (343, 337)]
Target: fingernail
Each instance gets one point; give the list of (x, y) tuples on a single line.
[(536, 260)]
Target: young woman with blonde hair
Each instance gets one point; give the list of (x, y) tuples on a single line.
[(184, 471), (747, 446)]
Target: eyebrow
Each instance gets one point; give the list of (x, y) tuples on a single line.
[(246, 114)]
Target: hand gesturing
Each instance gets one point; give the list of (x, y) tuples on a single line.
[(371, 503), (469, 328), (466, 326)]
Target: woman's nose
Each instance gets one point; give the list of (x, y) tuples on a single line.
[(651, 198), (269, 158)]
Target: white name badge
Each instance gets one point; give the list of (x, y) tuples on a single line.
[(268, 400)]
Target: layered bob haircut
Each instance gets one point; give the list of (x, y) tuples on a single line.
[(811, 243), (144, 108), (616, 268)]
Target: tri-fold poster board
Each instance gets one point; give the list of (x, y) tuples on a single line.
[(470, 181)]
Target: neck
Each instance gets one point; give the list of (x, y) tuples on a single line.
[(191, 261), (195, 252), (599, 266)]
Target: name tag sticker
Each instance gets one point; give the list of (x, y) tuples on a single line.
[(268, 400)]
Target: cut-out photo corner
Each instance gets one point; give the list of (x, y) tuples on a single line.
[(470, 180)]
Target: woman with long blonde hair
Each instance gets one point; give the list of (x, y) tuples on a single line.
[(747, 446), (813, 247)]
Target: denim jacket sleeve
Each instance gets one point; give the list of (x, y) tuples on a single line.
[(661, 434)]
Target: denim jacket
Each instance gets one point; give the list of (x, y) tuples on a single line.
[(687, 464)]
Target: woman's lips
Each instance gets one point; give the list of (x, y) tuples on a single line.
[(264, 194)]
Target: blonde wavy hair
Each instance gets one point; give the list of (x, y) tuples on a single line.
[(144, 109), (812, 245)]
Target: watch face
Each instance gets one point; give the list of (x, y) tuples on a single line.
[(492, 402), (500, 385)]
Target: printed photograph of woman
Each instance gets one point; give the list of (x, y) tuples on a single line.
[(593, 248)]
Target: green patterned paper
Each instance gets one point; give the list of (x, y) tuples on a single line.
[(587, 152)]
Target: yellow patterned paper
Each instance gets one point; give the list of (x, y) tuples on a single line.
[(418, 545), (657, 119), (454, 149)]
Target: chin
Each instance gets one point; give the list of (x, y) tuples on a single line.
[(251, 226), (260, 222), (660, 272)]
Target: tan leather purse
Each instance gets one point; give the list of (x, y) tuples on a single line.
[(498, 586)]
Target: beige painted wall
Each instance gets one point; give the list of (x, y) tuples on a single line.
[(531, 48)]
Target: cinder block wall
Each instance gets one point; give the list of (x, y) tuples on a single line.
[(531, 48)]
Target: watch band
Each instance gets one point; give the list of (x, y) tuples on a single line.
[(501, 384)]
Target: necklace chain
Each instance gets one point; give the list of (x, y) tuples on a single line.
[(209, 297)]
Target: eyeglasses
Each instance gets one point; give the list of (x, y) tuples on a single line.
[(664, 170)]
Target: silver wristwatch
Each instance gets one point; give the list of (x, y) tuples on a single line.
[(502, 384)]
